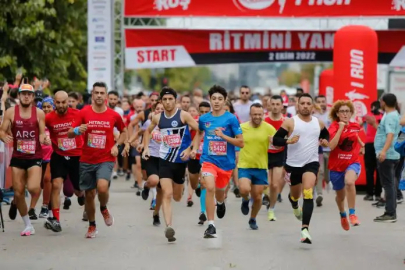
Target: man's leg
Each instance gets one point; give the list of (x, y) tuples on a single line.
[(276, 183), (370, 164), (386, 170), (319, 184), (19, 181), (103, 176), (295, 176), (245, 187), (308, 183), (138, 171)]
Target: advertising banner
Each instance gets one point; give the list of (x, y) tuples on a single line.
[(326, 86)]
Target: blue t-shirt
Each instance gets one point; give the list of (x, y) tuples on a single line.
[(389, 124), (216, 150)]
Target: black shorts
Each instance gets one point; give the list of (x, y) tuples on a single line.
[(194, 166), (276, 159), (143, 163), (152, 166), (297, 172), (62, 167), (25, 164), (174, 171)]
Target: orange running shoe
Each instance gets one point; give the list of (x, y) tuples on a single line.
[(345, 223), (354, 220), (108, 218), (91, 232)]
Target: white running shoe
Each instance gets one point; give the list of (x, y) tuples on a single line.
[(29, 230)]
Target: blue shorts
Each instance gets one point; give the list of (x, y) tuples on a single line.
[(237, 149), (338, 178), (257, 176)]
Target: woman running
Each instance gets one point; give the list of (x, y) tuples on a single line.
[(344, 163)]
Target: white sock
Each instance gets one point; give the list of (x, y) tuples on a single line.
[(220, 203), (27, 221), (50, 213), (271, 209), (154, 193), (211, 222)]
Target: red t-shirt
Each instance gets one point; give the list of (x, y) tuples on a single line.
[(59, 126), (347, 151), (276, 124), (99, 136), (192, 133), (371, 131)]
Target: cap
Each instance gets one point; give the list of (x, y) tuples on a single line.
[(154, 94), (38, 96), (26, 88)]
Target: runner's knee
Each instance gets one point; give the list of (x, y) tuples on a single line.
[(308, 193)]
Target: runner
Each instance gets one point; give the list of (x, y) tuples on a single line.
[(276, 156), (222, 133), (65, 157), (305, 133), (253, 162), (174, 152), (344, 162), (27, 124), (96, 123)]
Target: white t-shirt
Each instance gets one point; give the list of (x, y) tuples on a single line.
[(291, 110), (243, 110)]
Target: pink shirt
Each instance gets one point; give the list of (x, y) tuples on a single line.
[(46, 149)]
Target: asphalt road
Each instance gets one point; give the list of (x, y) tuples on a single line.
[(134, 243)]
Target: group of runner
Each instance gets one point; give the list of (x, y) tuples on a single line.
[(200, 144)]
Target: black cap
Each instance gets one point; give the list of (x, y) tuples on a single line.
[(168, 91), (38, 95)]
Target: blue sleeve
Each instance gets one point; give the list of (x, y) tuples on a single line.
[(235, 126), (391, 124), (200, 125)]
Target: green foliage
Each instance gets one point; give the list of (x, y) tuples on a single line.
[(290, 78), (47, 38)]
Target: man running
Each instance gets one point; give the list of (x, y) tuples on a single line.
[(27, 124), (304, 133), (222, 133), (65, 157), (174, 152), (252, 165), (96, 123), (276, 155)]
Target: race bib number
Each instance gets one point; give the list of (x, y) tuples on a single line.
[(173, 140), (216, 148), (26, 147), (96, 141), (66, 144), (156, 136)]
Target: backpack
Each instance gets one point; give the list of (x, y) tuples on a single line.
[(399, 145)]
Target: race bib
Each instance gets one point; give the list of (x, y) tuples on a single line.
[(216, 148), (26, 147), (200, 149), (173, 140), (66, 144), (156, 136), (96, 141)]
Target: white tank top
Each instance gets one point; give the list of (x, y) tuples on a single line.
[(306, 149)]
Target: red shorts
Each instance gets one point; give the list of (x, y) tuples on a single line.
[(221, 177)]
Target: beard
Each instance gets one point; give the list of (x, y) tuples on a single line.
[(25, 105)]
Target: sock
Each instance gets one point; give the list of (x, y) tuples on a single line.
[(202, 200), (211, 222), (271, 209), (50, 214), (27, 221), (55, 213), (253, 219), (154, 193), (352, 211), (102, 208), (343, 214), (304, 228), (294, 203), (92, 223), (219, 202), (307, 209)]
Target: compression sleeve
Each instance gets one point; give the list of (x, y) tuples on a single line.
[(324, 134), (279, 138)]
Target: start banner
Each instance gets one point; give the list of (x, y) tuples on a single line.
[(264, 8), (161, 48)]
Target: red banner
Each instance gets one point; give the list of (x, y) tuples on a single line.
[(264, 8), (159, 48), (326, 86)]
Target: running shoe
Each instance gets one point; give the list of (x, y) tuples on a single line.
[(236, 192), (279, 199), (32, 214), (67, 203), (29, 230), (271, 216), (354, 220), (152, 204), (253, 224), (145, 193), (85, 217), (386, 218), (91, 232), (298, 213), (44, 212), (400, 199), (81, 200), (128, 177), (114, 176), (305, 237), (169, 233), (319, 200), (221, 209), (190, 202), (12, 212), (53, 224), (121, 172), (368, 198), (198, 191), (210, 232), (345, 223), (202, 218), (156, 220), (244, 207), (108, 218), (266, 201), (138, 192)]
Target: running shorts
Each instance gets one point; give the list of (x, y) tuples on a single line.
[(91, 173), (62, 167), (152, 166), (256, 176), (221, 177), (338, 178), (171, 170), (276, 159), (194, 166), (25, 164), (296, 173)]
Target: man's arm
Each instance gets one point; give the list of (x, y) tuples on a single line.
[(5, 126), (279, 138), (41, 124), (134, 123), (189, 120), (123, 137), (148, 131)]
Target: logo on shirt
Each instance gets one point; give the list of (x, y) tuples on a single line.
[(175, 123), (207, 124)]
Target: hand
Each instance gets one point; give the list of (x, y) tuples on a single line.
[(47, 140), (146, 154), (114, 151), (7, 139), (294, 139), (125, 151), (218, 132), (185, 155), (139, 147), (342, 125), (193, 154), (362, 152), (382, 156), (82, 128), (323, 143)]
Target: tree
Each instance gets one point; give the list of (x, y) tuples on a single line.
[(289, 78), (47, 38)]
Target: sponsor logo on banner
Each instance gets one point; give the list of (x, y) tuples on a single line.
[(169, 4), (258, 4), (398, 5)]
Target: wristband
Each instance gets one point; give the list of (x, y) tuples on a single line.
[(76, 131)]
